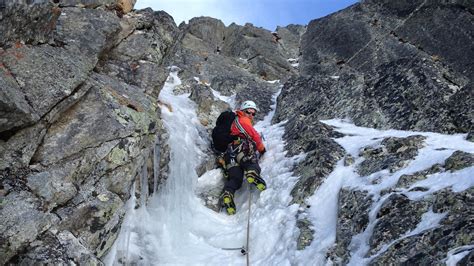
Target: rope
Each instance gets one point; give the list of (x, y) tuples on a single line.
[(241, 128), (248, 225), (383, 37)]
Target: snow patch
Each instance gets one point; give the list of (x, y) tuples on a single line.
[(457, 254), (231, 100), (273, 81)]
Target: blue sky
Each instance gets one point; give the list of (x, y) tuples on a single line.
[(261, 13)]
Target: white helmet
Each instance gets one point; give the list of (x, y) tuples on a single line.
[(248, 105)]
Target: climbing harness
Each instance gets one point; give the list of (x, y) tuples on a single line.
[(240, 150)]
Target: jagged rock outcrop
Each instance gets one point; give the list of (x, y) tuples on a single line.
[(138, 58), (234, 60), (289, 39), (353, 219), (79, 124)]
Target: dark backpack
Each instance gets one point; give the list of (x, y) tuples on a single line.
[(221, 133)]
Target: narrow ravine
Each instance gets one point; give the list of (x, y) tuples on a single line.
[(175, 228)]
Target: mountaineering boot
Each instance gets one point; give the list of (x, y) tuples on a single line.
[(227, 200), (254, 178)]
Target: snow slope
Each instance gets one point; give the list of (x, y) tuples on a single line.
[(176, 229)]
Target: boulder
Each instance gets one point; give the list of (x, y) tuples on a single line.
[(126, 5)]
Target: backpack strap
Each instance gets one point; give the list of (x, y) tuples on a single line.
[(241, 129)]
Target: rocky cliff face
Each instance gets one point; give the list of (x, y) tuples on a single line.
[(80, 127), (79, 123), (383, 64), (391, 65)]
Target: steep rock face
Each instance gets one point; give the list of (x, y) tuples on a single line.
[(234, 60), (289, 39), (384, 64), (410, 80), (260, 49), (31, 24), (79, 125), (389, 82), (137, 59)]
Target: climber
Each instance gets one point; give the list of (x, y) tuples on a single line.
[(241, 155)]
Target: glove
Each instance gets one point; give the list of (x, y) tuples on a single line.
[(262, 152)]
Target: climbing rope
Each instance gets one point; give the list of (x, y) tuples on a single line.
[(248, 225), (383, 37)]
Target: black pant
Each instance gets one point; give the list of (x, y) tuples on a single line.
[(239, 161)]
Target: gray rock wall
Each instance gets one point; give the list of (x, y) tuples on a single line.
[(79, 122), (384, 64), (407, 61), (232, 60)]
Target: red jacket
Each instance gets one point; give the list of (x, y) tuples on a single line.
[(246, 123)]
